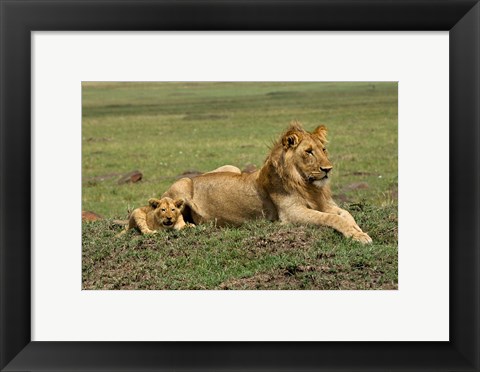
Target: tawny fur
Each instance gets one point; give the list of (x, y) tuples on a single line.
[(291, 186), (159, 214), (226, 168)]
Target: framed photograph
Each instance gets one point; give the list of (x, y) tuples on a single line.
[(92, 90), (218, 128)]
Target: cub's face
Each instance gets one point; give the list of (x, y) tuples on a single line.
[(167, 211)]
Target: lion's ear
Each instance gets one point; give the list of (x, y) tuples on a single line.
[(295, 125), (179, 203), (321, 133), (290, 140), (154, 203)]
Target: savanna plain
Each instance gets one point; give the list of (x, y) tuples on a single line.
[(169, 130)]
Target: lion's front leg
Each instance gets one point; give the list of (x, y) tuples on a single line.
[(334, 209), (335, 221)]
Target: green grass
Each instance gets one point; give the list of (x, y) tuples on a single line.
[(165, 129)]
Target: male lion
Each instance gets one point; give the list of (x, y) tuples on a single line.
[(291, 186), (164, 213)]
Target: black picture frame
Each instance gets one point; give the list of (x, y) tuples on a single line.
[(18, 18)]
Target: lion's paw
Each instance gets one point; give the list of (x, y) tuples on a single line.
[(362, 237)]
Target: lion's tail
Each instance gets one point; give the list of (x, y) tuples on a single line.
[(124, 231), (123, 223)]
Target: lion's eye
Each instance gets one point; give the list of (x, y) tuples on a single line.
[(163, 209), (309, 151), (324, 150), (173, 209)]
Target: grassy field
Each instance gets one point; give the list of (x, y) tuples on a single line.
[(166, 129)]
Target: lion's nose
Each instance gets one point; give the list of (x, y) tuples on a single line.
[(326, 169)]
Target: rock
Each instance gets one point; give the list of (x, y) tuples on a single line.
[(90, 216), (130, 177)]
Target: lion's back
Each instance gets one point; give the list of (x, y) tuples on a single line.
[(226, 198)]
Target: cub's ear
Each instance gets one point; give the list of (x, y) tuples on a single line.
[(291, 139), (154, 203), (321, 133), (179, 203)]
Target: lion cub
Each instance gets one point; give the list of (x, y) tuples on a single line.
[(159, 214)]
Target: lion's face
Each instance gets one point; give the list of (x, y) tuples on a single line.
[(305, 153), (167, 211)]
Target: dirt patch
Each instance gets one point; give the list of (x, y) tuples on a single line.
[(130, 177), (278, 241), (320, 276), (273, 280), (291, 277), (98, 139), (284, 94), (101, 178), (189, 117), (345, 157), (356, 186), (359, 173)]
